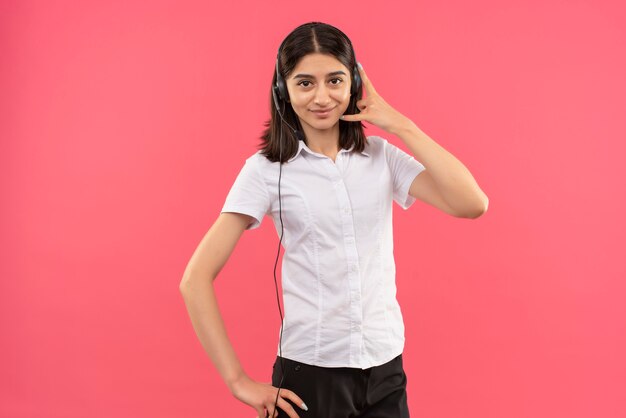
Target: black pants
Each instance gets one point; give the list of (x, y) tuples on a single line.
[(345, 392)]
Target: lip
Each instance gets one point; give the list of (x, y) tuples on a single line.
[(322, 113)]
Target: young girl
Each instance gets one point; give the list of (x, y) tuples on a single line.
[(329, 190)]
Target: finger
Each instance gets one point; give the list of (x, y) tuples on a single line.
[(295, 399), (272, 410), (353, 118), (367, 83), (285, 406), (362, 104)]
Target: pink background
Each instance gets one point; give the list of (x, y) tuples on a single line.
[(123, 125)]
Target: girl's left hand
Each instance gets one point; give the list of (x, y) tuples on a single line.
[(374, 109)]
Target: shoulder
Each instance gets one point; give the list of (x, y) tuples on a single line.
[(252, 165), (256, 157), (258, 160), (375, 145), (374, 140), (259, 165)]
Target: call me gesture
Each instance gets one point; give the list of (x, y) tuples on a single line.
[(446, 183)]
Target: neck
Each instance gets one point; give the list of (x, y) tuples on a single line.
[(324, 142)]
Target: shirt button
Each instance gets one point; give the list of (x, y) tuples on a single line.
[(352, 267), (349, 240), (346, 210)]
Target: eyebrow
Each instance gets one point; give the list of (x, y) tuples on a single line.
[(310, 76)]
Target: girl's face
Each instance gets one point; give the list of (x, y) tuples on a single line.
[(319, 82)]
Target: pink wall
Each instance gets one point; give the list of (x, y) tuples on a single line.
[(123, 125)]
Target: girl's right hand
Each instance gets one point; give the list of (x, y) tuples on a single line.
[(261, 397)]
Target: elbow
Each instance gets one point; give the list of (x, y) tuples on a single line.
[(480, 210), (477, 211), (476, 215), (185, 281), (190, 281), (183, 285)]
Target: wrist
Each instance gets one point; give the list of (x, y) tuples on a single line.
[(236, 381), (405, 127)]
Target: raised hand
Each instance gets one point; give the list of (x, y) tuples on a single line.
[(374, 109)]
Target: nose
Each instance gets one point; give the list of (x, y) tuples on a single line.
[(322, 96)]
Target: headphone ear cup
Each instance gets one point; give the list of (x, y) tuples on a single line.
[(278, 88), (280, 85), (282, 89), (356, 86), (275, 95)]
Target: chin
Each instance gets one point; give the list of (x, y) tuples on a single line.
[(324, 123)]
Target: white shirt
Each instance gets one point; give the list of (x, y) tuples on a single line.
[(338, 270)]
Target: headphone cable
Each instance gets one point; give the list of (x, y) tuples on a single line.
[(280, 211)]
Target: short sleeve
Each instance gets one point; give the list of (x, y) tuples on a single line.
[(248, 194), (404, 168)]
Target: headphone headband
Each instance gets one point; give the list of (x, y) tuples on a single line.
[(280, 87)]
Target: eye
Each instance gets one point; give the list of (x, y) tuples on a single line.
[(334, 82)]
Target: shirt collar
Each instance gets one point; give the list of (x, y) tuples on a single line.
[(302, 146)]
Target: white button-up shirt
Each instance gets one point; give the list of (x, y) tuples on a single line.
[(338, 270)]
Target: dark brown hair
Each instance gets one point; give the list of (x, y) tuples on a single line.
[(310, 38)]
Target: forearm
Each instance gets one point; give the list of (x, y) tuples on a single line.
[(199, 297), (453, 179)]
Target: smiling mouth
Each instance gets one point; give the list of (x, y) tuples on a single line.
[(323, 112)]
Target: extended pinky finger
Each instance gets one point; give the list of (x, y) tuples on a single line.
[(352, 118)]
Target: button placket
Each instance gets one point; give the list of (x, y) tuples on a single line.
[(354, 279), (352, 260)]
